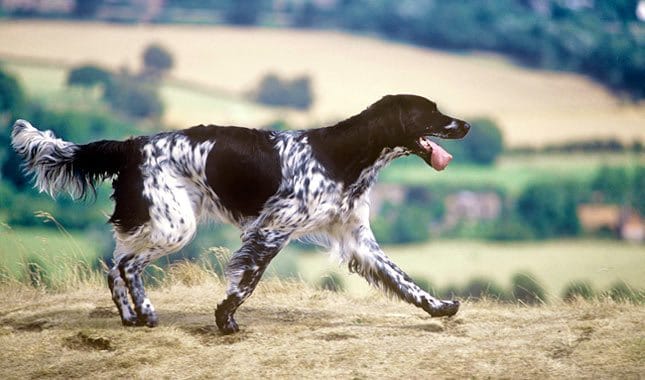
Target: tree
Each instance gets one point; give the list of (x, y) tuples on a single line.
[(12, 97), (614, 183), (549, 208), (484, 142), (133, 97), (243, 12), (157, 60), (275, 91), (88, 76), (86, 8)]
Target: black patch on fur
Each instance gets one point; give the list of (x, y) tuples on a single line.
[(354, 144), (103, 159), (243, 168)]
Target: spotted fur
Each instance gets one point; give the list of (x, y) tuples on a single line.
[(274, 186)]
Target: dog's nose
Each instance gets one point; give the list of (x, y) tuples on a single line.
[(466, 127)]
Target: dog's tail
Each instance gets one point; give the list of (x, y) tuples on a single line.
[(58, 165)]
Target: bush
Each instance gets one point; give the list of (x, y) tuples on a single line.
[(88, 76), (527, 290), (134, 97), (549, 208), (614, 183), (638, 189), (484, 142), (12, 97), (332, 282), (278, 92), (621, 292), (578, 289), (479, 288), (157, 60)]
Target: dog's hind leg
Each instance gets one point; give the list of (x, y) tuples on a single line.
[(120, 296), (244, 272), (172, 225), (364, 256), (130, 268)]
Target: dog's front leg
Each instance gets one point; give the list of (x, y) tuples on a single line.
[(244, 272), (365, 257)]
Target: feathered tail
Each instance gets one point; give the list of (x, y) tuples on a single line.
[(58, 165)]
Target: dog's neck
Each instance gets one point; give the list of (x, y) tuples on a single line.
[(354, 150), (368, 176)]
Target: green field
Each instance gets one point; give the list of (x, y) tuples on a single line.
[(553, 263), (511, 173), (443, 263), (57, 252)]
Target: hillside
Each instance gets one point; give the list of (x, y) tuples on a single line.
[(349, 72), (293, 331)]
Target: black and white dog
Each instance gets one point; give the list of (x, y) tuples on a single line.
[(274, 186)]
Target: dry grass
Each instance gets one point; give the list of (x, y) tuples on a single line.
[(533, 107), (290, 330)]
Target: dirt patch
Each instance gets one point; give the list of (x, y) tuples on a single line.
[(103, 312), (84, 340), (210, 335), (36, 325)]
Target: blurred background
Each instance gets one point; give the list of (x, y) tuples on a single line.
[(547, 192)]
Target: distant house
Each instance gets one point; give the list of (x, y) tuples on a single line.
[(382, 193), (626, 223), (471, 206)]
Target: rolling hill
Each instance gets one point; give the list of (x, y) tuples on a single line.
[(349, 72)]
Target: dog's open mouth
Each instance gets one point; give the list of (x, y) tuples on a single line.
[(433, 154)]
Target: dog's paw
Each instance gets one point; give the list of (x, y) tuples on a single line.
[(445, 309), (129, 322), (225, 322), (149, 320)]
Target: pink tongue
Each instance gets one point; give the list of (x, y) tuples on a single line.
[(440, 158)]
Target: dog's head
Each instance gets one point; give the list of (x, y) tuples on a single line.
[(418, 120)]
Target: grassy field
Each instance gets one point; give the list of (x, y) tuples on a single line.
[(533, 107), (443, 263), (290, 330), (453, 263), (57, 253), (511, 173)]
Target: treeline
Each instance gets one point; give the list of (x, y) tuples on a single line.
[(602, 39), (610, 145)]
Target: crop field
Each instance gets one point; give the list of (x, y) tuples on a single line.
[(533, 107), (291, 330)]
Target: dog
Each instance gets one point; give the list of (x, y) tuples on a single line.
[(274, 186)]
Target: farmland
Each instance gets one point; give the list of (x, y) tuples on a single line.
[(67, 326), (533, 107)]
